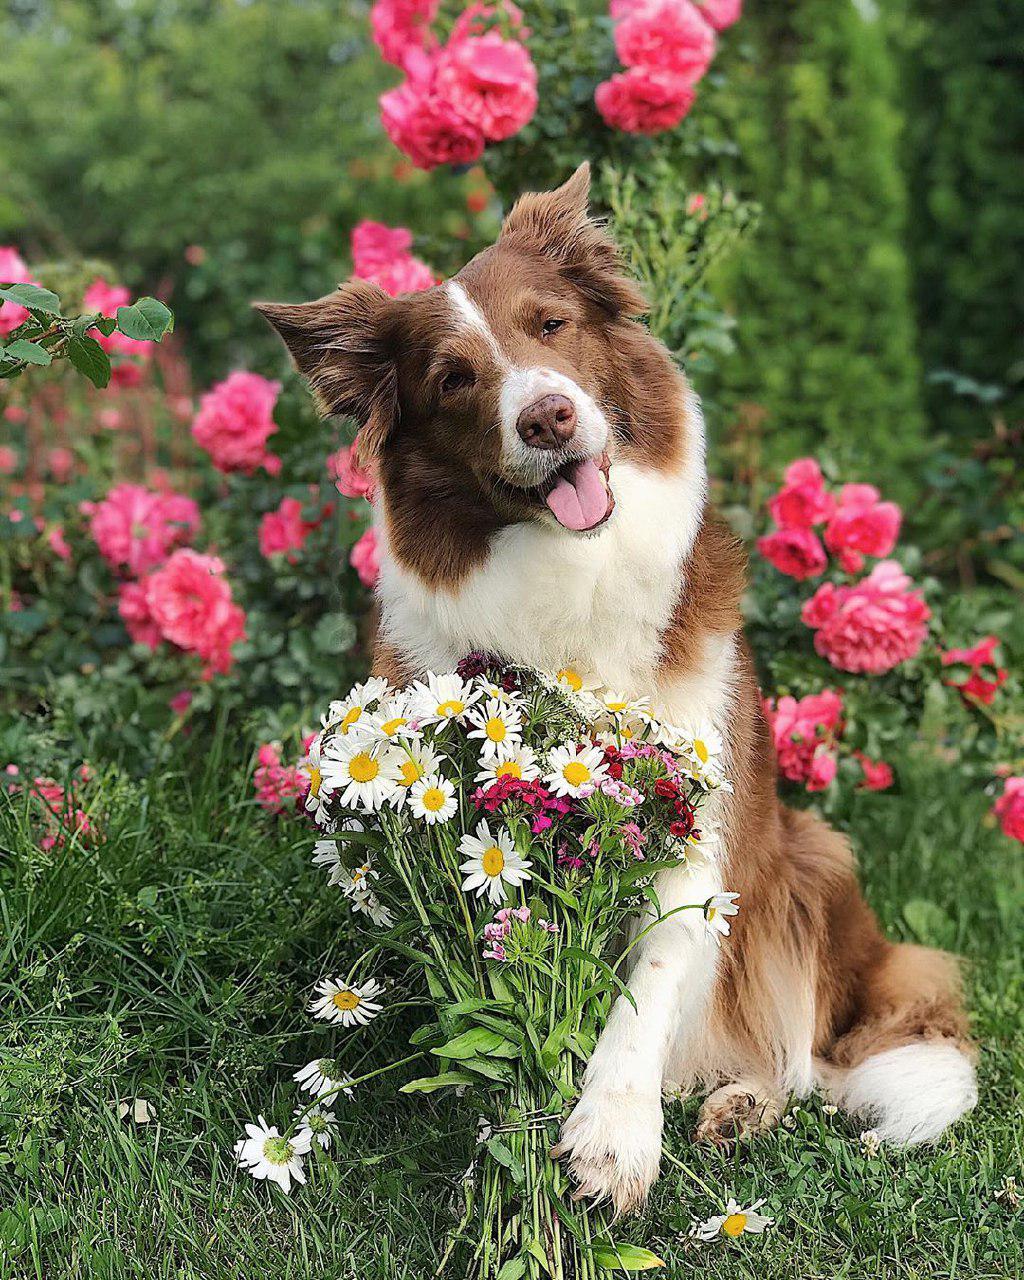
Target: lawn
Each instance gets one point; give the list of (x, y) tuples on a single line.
[(171, 963)]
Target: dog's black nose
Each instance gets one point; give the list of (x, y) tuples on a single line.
[(548, 423)]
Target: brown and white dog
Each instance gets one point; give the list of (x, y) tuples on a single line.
[(542, 494)]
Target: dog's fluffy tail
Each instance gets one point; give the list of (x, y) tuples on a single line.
[(906, 1066)]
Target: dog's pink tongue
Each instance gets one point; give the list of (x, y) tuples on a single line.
[(579, 500)]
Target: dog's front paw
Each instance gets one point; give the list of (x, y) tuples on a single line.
[(613, 1141)]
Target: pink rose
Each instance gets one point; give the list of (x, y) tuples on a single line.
[(133, 606), (489, 81), (804, 732), (190, 601), (181, 701), (984, 678), (364, 559), (668, 36), (374, 245), (57, 543), (794, 552), (877, 774), (871, 626), (720, 13), (822, 771), (278, 786), (12, 271), (643, 101), (426, 127), (235, 420), (60, 462), (106, 298), (135, 528), (8, 458), (862, 525), (349, 477), (1009, 809), (803, 500), (283, 530), (399, 26)]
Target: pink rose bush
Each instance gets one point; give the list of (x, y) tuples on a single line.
[(12, 271), (135, 528), (872, 626), (478, 88), (235, 421), (805, 732), (796, 552), (381, 254), (861, 525), (189, 601), (666, 47), (1009, 809)]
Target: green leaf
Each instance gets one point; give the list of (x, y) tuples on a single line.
[(29, 352), (613, 1256), (430, 1084), (475, 1041), (514, 1269), (89, 358), (33, 297), (929, 922), (576, 953), (147, 320), (334, 633)]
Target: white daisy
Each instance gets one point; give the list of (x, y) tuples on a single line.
[(418, 760), (574, 681), (491, 863), (346, 712), (433, 799), (496, 725), (344, 1002), (319, 795), (717, 909), (393, 721), (370, 905), (515, 761), (327, 854), (320, 1124), (622, 706), (361, 777), (734, 1222), (490, 690), (572, 772), (265, 1154), (322, 1076), (443, 698)]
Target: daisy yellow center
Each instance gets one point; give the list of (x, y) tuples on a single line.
[(700, 747), (363, 768), (575, 773), (411, 773), (495, 729), (315, 779), (493, 861), (391, 726), (572, 678), (712, 912), (433, 799), (627, 732), (345, 1000), (510, 769), (617, 706), (351, 716), (277, 1150), (734, 1224)]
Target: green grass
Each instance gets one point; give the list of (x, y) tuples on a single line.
[(172, 961)]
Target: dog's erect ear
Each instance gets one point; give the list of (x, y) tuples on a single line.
[(337, 344), (558, 225)]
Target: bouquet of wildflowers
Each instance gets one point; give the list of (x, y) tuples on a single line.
[(496, 828)]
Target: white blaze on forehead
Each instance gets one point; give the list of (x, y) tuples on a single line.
[(470, 316)]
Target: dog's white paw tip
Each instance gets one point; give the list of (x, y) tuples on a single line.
[(613, 1141)]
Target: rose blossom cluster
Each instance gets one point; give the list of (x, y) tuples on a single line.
[(857, 524), (381, 254), (983, 677), (12, 271), (479, 87), (805, 732), (666, 47), (135, 528), (284, 531), (278, 786), (234, 422), (869, 627), (1009, 809)]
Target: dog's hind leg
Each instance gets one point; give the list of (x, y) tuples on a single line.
[(741, 1109)]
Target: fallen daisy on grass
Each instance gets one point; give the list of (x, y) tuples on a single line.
[(734, 1222), (717, 909), (266, 1154), (491, 863), (320, 1123), (346, 1003), (322, 1076)]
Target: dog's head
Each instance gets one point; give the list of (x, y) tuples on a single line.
[(511, 390)]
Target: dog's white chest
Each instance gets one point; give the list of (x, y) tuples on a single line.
[(553, 599)]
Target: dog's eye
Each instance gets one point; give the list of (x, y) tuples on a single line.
[(457, 380), (551, 326)]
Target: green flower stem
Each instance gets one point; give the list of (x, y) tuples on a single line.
[(351, 1084)]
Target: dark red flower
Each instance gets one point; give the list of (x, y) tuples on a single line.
[(666, 788)]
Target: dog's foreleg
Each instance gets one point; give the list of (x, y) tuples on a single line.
[(613, 1136)]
